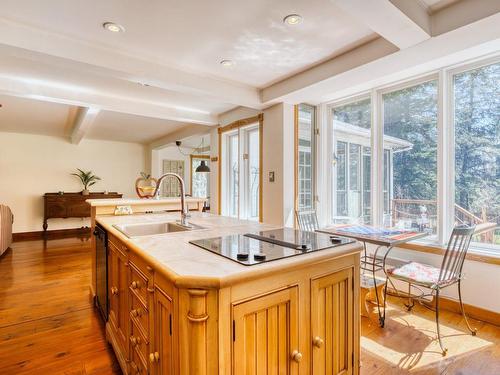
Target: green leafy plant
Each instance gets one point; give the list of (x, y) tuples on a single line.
[(86, 178), (145, 175)]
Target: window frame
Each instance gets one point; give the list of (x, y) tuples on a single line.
[(445, 149), (314, 121)]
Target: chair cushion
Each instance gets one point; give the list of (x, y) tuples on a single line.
[(420, 273)]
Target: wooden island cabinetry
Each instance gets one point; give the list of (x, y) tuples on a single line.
[(302, 320)]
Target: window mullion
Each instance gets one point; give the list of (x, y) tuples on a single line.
[(377, 164), (445, 173)]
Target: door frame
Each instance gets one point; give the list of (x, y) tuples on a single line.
[(232, 126)]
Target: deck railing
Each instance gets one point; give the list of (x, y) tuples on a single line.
[(423, 214)]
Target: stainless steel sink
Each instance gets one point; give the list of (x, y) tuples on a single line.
[(150, 229)]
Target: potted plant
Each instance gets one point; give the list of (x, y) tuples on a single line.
[(145, 185), (87, 179)]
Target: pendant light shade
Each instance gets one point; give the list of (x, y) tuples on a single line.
[(203, 167)]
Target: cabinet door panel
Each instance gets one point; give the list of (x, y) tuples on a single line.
[(266, 334), (163, 333), (332, 323)]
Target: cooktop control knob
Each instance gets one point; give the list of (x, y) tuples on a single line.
[(259, 256), (335, 239), (242, 256)]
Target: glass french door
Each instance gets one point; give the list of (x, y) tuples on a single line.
[(241, 173)]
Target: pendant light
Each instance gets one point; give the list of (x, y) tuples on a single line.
[(202, 168)]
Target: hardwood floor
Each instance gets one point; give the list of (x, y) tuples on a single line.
[(408, 344), (47, 321), (48, 324)]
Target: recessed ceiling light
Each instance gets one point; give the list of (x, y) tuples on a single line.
[(293, 19), (227, 63), (113, 27)]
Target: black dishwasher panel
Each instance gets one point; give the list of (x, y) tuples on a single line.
[(101, 274)]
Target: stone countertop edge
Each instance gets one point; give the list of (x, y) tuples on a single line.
[(192, 267)]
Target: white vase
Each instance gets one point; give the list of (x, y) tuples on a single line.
[(85, 192)]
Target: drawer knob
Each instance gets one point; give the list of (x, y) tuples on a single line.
[(297, 356), (114, 290), (154, 357), (135, 340), (318, 342), (135, 285)]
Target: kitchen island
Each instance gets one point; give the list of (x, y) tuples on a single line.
[(175, 308)]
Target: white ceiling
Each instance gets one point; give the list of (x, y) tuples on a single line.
[(195, 35), (130, 128), (58, 51), (21, 115)]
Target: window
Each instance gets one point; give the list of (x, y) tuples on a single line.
[(241, 173), (438, 161), (410, 119), (253, 173), (305, 164), (233, 174), (352, 162), (200, 184), (477, 151)]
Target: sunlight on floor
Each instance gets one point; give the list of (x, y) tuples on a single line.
[(423, 349)]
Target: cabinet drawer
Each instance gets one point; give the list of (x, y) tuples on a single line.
[(139, 284), (139, 314), (137, 365), (139, 344), (112, 240), (79, 209), (55, 209)]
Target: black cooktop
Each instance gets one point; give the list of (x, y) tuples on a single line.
[(260, 247)]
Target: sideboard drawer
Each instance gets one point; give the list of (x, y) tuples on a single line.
[(56, 209), (79, 209)]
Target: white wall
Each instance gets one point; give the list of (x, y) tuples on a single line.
[(31, 165), (478, 287), (278, 157)]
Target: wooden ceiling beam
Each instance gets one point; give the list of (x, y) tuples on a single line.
[(84, 120)]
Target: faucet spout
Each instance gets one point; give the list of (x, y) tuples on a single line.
[(184, 209)]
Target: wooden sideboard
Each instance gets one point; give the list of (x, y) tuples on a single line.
[(62, 206)]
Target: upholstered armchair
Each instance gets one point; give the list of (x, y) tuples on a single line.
[(6, 220)]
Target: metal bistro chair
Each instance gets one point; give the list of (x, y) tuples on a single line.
[(435, 279), (307, 220)]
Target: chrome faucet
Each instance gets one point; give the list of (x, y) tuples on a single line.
[(184, 209)]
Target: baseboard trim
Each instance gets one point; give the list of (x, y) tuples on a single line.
[(474, 312), (50, 234)]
